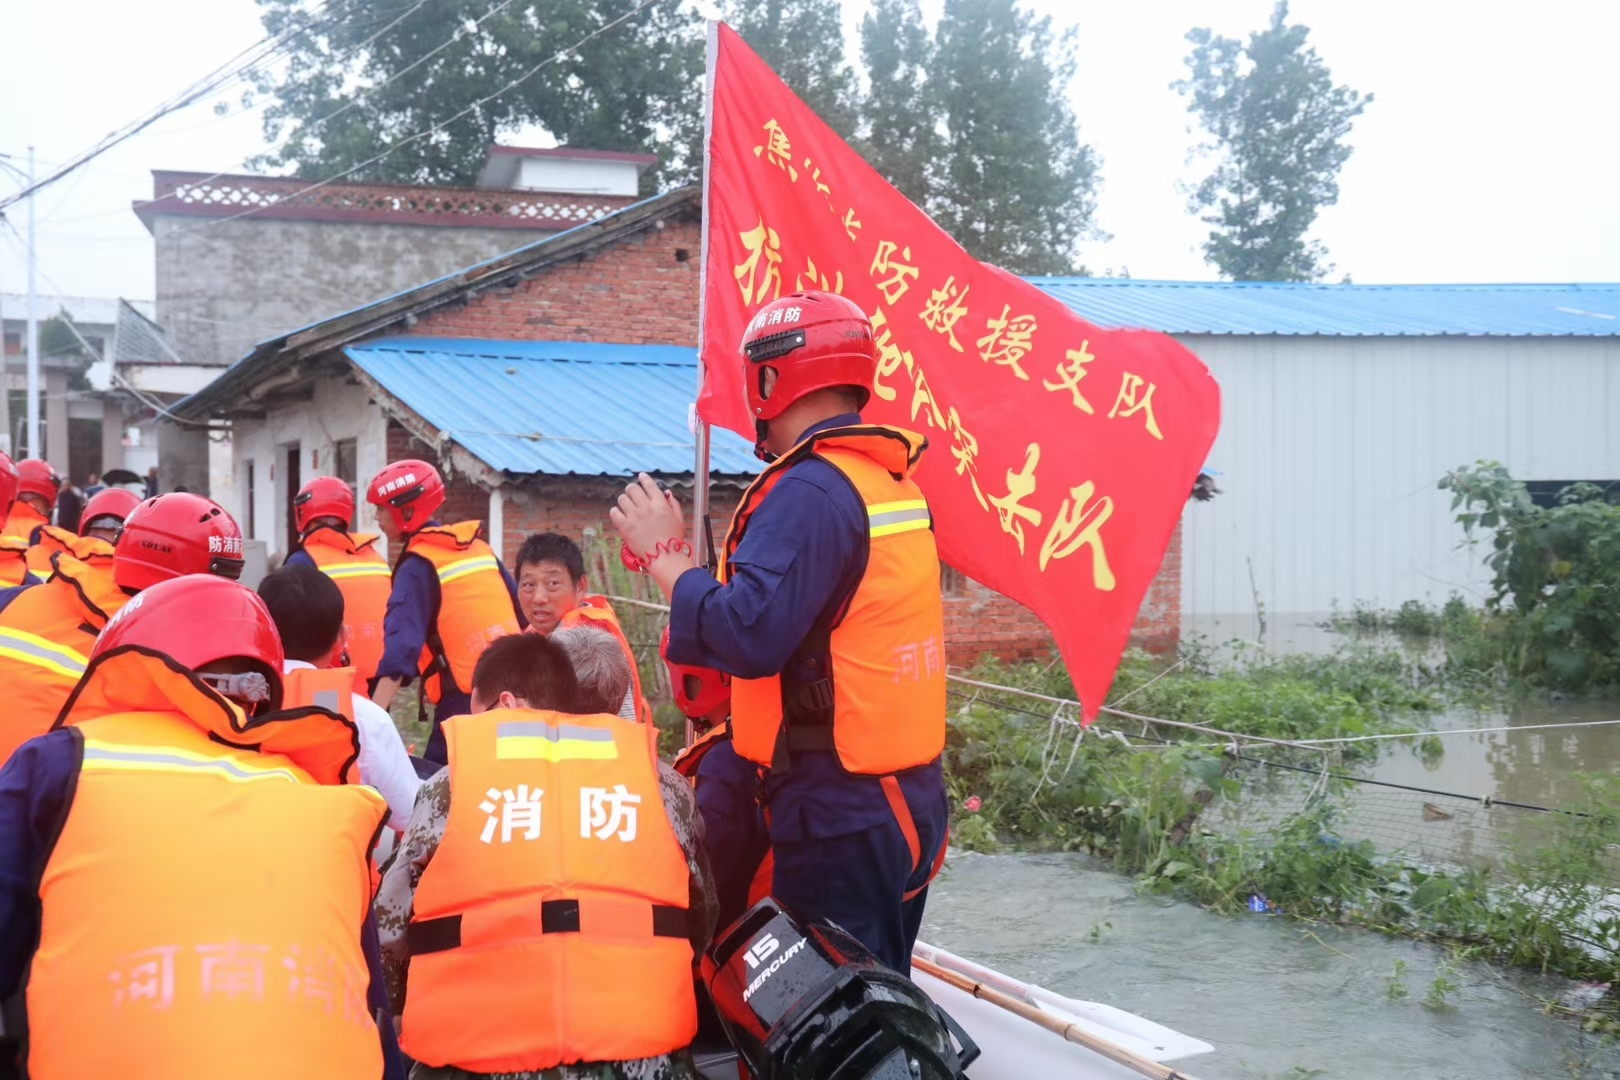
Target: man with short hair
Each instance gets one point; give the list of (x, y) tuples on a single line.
[(536, 797), (602, 669), (308, 611), (555, 593)]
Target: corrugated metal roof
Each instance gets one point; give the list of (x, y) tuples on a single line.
[(1227, 307), (581, 408)]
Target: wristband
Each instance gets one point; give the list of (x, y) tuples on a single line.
[(638, 564)]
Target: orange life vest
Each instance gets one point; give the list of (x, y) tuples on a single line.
[(23, 520), (331, 689), (551, 926), (596, 611), (13, 561), (46, 635), (474, 605), (887, 650), (240, 884), (362, 575), (52, 539)]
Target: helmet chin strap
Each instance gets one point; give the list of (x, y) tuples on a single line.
[(762, 431)]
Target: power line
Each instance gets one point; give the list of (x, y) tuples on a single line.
[(233, 70), (424, 133)]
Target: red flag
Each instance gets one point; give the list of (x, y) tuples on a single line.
[(1060, 455)]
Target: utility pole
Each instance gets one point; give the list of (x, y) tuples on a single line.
[(34, 449)]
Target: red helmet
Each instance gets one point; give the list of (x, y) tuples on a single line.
[(698, 690), (812, 340), (8, 482), (198, 619), (36, 477), (175, 534), (410, 490), (324, 496), (108, 503)]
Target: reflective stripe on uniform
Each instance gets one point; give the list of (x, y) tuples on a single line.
[(111, 757), (462, 567), (353, 570), (889, 519), (565, 742), (32, 649)]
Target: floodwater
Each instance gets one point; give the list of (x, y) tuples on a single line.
[(1278, 999)]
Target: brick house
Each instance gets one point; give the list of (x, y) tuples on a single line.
[(538, 381)]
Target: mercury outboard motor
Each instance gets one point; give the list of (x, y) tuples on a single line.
[(808, 1002)]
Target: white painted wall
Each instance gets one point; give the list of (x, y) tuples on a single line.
[(1330, 449), (339, 411), (581, 176)]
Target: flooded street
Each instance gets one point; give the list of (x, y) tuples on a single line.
[(1278, 999)]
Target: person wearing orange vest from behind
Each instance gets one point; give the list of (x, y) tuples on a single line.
[(13, 549), (551, 893), (555, 593), (38, 484), (308, 609), (324, 510), (827, 614), (99, 525), (450, 596), (46, 632), (151, 820)]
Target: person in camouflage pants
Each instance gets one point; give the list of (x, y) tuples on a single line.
[(403, 873)]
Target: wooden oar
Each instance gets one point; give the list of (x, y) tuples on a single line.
[(1072, 1032)]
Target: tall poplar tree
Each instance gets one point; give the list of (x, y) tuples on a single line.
[(803, 42)]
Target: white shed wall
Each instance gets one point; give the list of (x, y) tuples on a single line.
[(340, 411), (1330, 449)]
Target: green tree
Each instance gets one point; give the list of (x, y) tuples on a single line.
[(1012, 181), (56, 337), (900, 131), (803, 42), (343, 98), (1277, 125)]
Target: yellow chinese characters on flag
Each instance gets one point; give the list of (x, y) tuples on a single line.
[(1060, 453)]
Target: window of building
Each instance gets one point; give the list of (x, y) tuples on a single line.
[(252, 502), (951, 581), (13, 342), (1545, 493), (345, 461)]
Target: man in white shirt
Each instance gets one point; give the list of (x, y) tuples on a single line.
[(308, 611)]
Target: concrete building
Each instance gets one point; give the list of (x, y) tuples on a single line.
[(1343, 407), (240, 259), (540, 380)]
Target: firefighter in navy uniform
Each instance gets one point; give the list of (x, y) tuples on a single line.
[(827, 614), (450, 598)]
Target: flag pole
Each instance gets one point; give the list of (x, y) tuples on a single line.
[(700, 427)]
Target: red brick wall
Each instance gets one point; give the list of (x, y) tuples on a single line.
[(642, 290)]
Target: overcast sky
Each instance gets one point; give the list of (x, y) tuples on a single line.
[(1492, 152)]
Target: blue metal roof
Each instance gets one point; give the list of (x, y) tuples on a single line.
[(567, 407), (1227, 307)]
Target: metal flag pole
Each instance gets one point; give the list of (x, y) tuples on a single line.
[(700, 426)]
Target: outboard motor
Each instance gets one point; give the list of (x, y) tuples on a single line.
[(808, 1002)]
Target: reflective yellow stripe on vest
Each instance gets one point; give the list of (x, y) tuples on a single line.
[(462, 567), (354, 570), (112, 757), (32, 649), (565, 742), (890, 519)]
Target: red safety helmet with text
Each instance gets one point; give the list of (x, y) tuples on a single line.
[(699, 691), (8, 483), (200, 619), (324, 496), (116, 503), (37, 477), (176, 534), (410, 491), (812, 340)]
